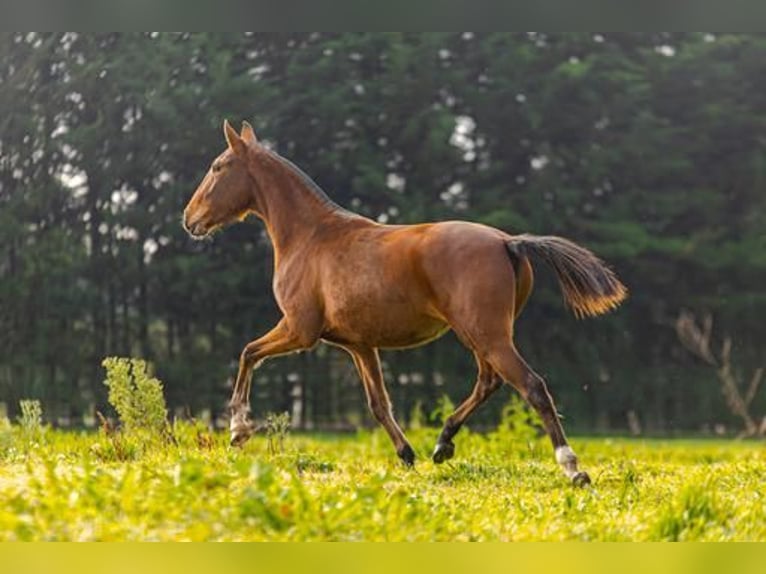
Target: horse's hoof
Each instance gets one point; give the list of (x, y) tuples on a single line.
[(240, 436), (238, 440), (407, 455), (443, 451), (581, 479)]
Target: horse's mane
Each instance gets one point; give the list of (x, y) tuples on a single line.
[(318, 192)]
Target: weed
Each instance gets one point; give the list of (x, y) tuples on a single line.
[(31, 423), (417, 418), (205, 440), (308, 463), (277, 427), (136, 396), (519, 425), (6, 435), (115, 447), (31, 419), (444, 408)]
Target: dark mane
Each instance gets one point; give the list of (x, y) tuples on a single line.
[(318, 192)]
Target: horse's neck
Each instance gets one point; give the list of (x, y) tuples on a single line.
[(291, 209)]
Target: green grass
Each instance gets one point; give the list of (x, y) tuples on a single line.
[(71, 486)]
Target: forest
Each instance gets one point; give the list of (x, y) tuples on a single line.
[(649, 149)]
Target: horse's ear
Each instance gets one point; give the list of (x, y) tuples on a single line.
[(247, 134), (232, 138)]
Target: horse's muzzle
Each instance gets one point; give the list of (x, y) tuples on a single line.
[(196, 229)]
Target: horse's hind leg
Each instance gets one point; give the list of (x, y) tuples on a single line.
[(514, 370), (368, 364), (487, 383)]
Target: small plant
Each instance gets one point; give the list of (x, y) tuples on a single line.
[(518, 423), (31, 419), (277, 426), (444, 408), (311, 463), (203, 438), (136, 396), (6, 434), (116, 447), (417, 417)]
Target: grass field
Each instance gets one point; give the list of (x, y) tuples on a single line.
[(89, 486)]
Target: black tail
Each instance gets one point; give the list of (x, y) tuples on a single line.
[(590, 288)]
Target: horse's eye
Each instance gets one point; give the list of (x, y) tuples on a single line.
[(216, 167)]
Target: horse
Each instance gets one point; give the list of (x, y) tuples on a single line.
[(362, 286)]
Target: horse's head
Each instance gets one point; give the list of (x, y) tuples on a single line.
[(226, 193)]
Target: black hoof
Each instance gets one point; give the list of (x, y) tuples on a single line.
[(581, 479), (407, 455), (443, 451)]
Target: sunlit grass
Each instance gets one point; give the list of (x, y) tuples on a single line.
[(65, 486)]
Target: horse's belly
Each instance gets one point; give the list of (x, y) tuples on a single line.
[(413, 338), (387, 327)]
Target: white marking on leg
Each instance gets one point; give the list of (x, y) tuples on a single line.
[(567, 459)]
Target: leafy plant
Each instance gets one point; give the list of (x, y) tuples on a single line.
[(135, 395), (444, 408), (519, 424), (277, 427), (117, 447), (203, 437), (309, 463), (417, 417), (6, 434), (31, 418)]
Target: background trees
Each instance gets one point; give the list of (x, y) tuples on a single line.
[(650, 149)]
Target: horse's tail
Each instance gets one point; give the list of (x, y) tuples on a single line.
[(590, 288)]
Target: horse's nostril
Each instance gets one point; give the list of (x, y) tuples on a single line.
[(195, 224), (191, 227), (195, 228)]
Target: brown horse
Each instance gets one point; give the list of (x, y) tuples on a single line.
[(362, 286)]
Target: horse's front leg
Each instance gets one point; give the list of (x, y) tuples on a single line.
[(279, 341), (367, 363)]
